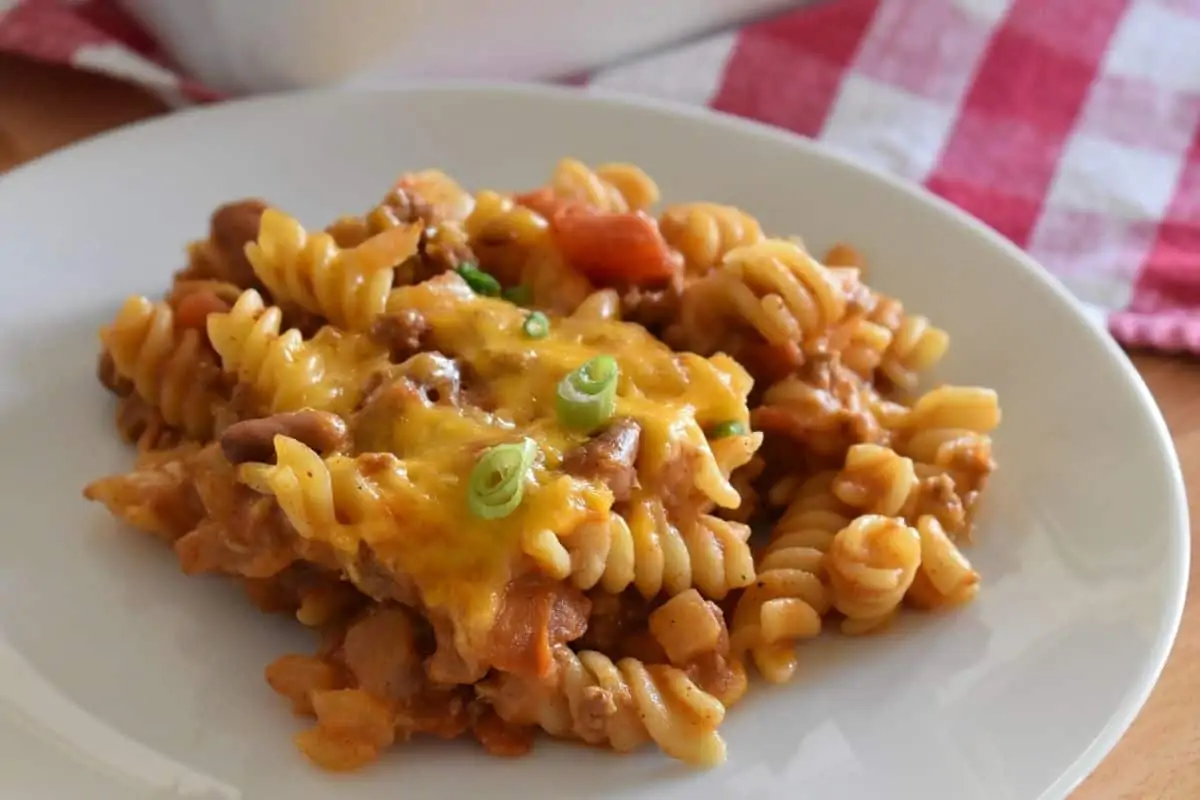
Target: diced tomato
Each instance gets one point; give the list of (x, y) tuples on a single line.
[(614, 248)]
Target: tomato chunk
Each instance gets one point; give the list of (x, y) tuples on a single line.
[(614, 248)]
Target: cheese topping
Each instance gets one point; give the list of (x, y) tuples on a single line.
[(406, 496)]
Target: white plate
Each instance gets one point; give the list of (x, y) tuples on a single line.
[(120, 678)]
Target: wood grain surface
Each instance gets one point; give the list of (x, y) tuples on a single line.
[(43, 108)]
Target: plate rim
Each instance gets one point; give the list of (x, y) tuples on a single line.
[(1137, 694)]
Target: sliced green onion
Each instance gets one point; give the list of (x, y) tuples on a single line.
[(519, 295), (730, 427), (537, 325), (587, 397), (479, 281), (497, 482)]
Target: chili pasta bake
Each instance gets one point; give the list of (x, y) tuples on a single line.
[(504, 451)]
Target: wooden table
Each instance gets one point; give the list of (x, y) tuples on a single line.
[(43, 108)]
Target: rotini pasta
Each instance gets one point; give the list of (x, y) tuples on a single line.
[(862, 345), (915, 346), (947, 432), (646, 550), (789, 598), (772, 290), (609, 187), (349, 288), (945, 577), (871, 563), (705, 232), (170, 368), (503, 452), (878, 480), (780, 290), (285, 371), (622, 704)]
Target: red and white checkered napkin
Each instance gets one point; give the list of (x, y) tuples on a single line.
[(1071, 126)]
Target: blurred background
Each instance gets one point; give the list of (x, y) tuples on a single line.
[(268, 45)]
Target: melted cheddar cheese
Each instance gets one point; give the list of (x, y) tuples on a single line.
[(338, 362), (406, 496), (283, 371), (673, 396)]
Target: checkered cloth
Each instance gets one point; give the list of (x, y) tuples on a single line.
[(1070, 126)]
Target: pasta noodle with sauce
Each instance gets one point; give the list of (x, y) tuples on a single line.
[(283, 370), (705, 232), (507, 454), (790, 597), (169, 368), (609, 187), (347, 287)]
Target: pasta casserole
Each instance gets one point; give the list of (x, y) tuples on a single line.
[(504, 451)]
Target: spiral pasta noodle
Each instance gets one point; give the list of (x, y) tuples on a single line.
[(782, 291), (705, 232), (947, 432), (613, 187), (773, 288), (730, 451), (789, 597), (871, 564), (863, 346), (500, 225), (916, 345), (286, 372), (945, 577), (622, 704), (913, 344), (349, 288), (170, 368), (645, 549), (878, 480), (321, 496)]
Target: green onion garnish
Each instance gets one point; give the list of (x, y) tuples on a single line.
[(587, 397), (519, 295), (479, 281), (498, 480), (730, 427), (537, 325)]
